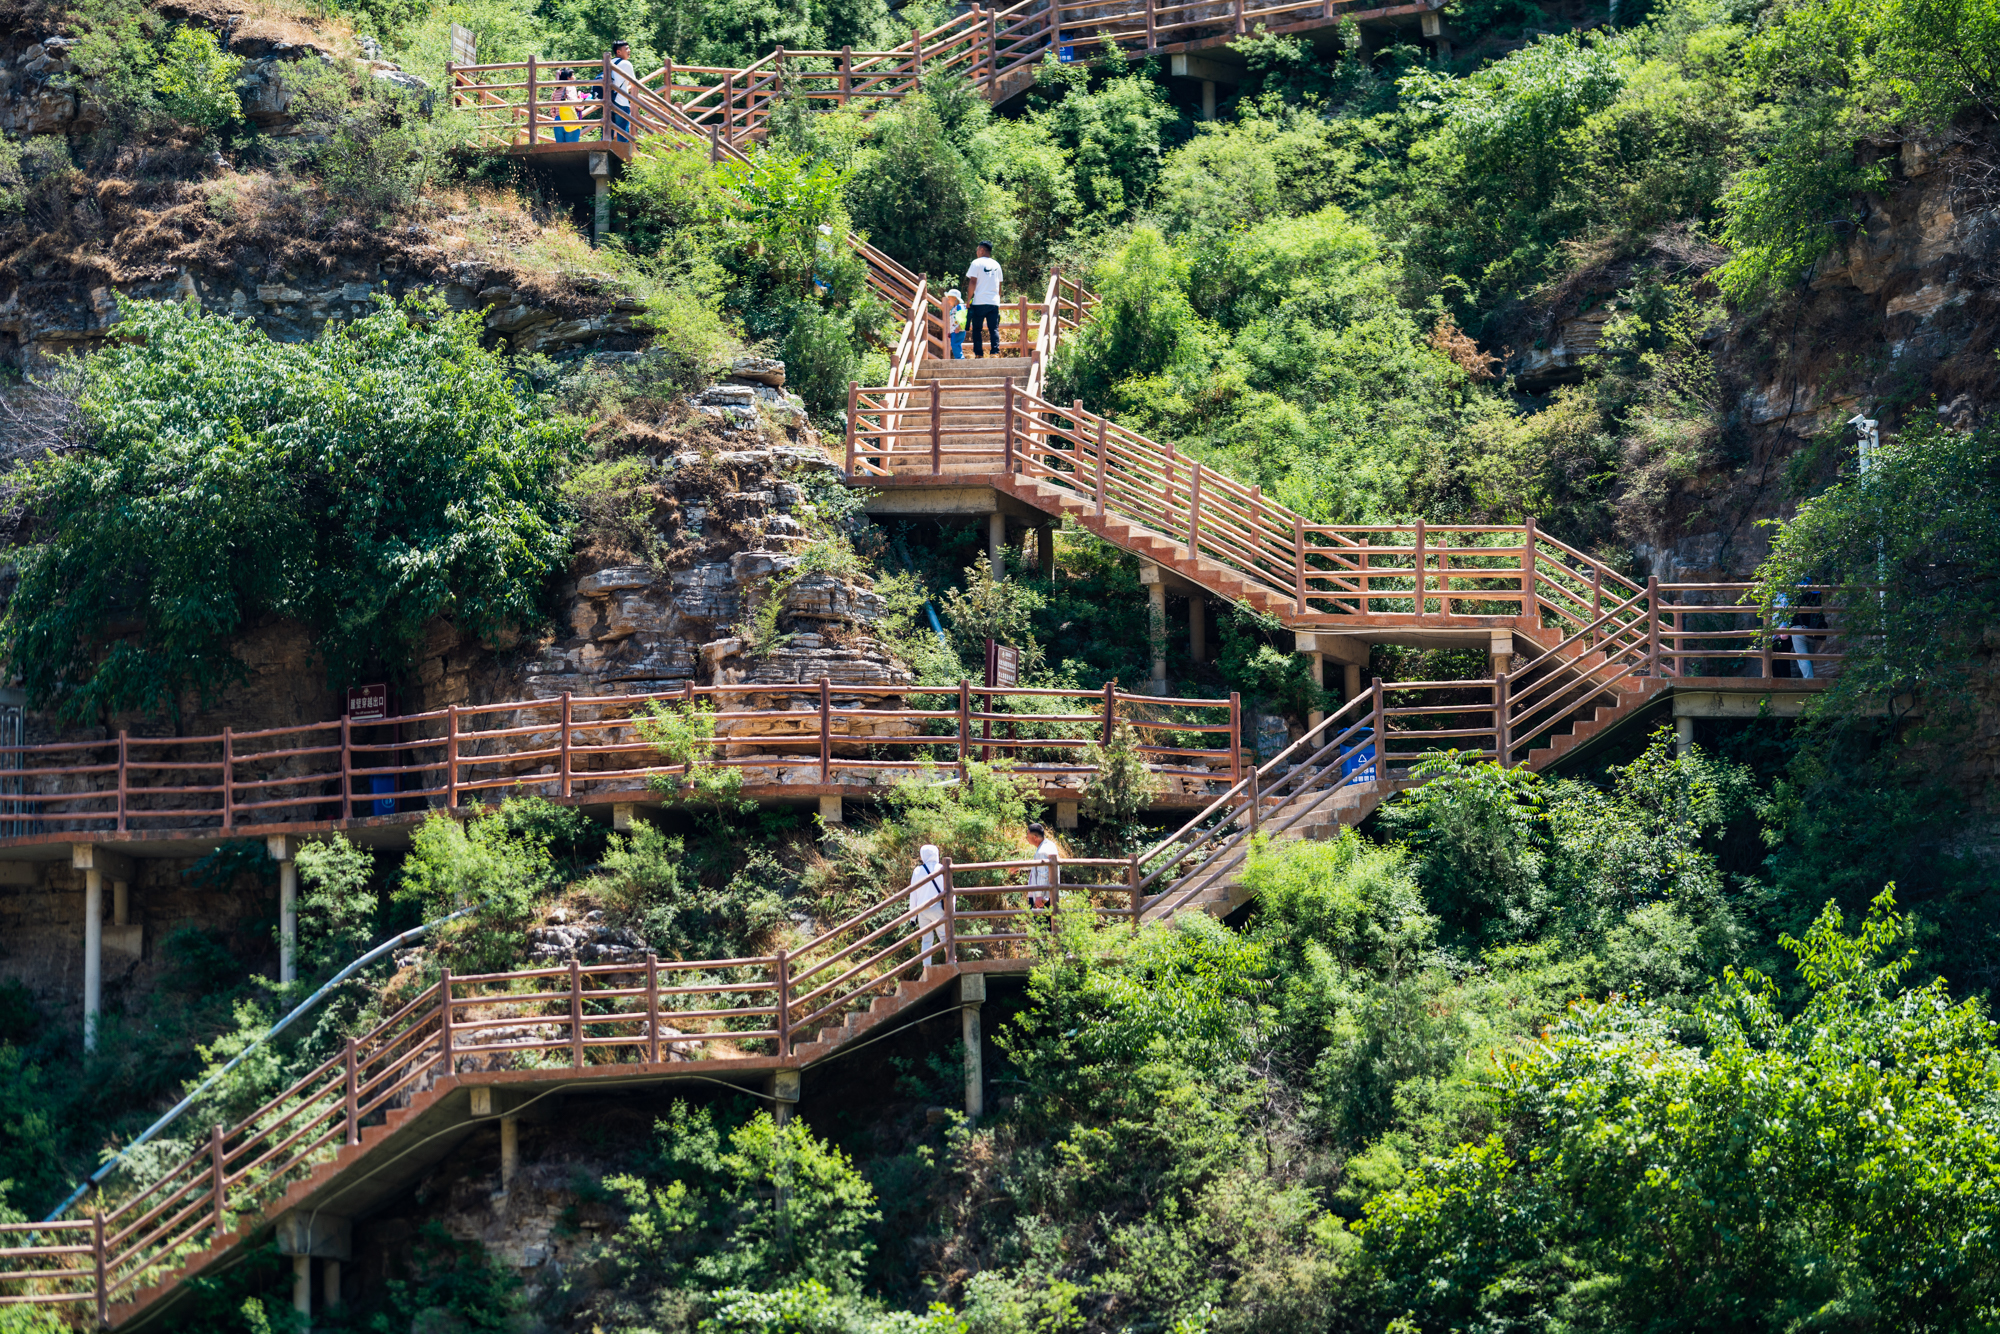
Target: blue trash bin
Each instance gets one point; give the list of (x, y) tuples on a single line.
[(1357, 762), (382, 783)]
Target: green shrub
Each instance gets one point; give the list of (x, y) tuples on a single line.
[(447, 1283), (489, 864), (647, 878), (197, 80), (365, 484), (337, 905)]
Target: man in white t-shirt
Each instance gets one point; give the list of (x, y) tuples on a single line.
[(1040, 878), (623, 77), (982, 301)]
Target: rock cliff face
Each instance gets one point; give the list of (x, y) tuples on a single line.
[(1900, 319)]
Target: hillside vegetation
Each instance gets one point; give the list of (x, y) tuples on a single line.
[(1692, 1041)]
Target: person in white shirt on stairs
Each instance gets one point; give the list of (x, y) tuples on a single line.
[(1041, 875), (927, 902), (623, 79), (982, 280)]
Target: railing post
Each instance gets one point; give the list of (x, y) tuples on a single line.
[(825, 730), (853, 398), (846, 74), (1256, 800), (608, 132), (729, 106), (1103, 464), (1110, 710), (937, 438), (451, 757), (1531, 604), (562, 785), (575, 1014), (1419, 568), (1194, 509), (714, 143), (652, 1008), (1763, 639), (1132, 887), (346, 767), (950, 901), (1596, 603), (1381, 735), (444, 1022), (1240, 29), (218, 1175), (97, 1256), (1235, 737), (1007, 425), (1021, 334), (228, 779), (784, 1004), (1652, 625), (1503, 742), (993, 49), (350, 1063), (964, 723), (531, 101), (124, 746), (1152, 39), (1299, 564)]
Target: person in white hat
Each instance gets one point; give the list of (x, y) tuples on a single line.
[(954, 323), (927, 901)]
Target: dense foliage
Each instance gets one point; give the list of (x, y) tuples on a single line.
[(362, 485)]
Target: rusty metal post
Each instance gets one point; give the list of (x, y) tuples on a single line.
[(218, 1177), (444, 1022), (1418, 566), (784, 1005), (825, 730), (964, 723), (1652, 625), (451, 757), (575, 1014), (1007, 425), (652, 1008), (1235, 737), (1381, 736), (124, 747), (97, 1254), (1503, 740), (563, 785), (351, 1078), (937, 438), (1132, 887), (1103, 463), (1194, 510), (846, 74), (228, 779), (1299, 565), (346, 767), (1110, 710), (532, 90), (853, 396)]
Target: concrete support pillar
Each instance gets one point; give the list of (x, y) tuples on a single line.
[(1156, 623), (1683, 737), (622, 815), (1350, 683), (600, 176), (1208, 99), (1500, 653), (330, 1283), (288, 922), (784, 1089), (829, 808), (1198, 628), (283, 849), (121, 903), (1066, 815), (1318, 664), (510, 1149), (996, 545), (93, 954), (1045, 550), (971, 999), (302, 1285)]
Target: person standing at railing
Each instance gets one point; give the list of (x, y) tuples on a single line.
[(569, 116), (1787, 619), (954, 323), (623, 77), (982, 279), (927, 901), (1041, 879)]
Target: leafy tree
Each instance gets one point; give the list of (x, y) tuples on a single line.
[(1476, 832), (366, 484), (1766, 1169), (491, 864)]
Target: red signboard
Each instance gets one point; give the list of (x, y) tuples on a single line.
[(367, 704)]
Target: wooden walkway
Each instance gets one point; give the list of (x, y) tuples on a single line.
[(523, 106)]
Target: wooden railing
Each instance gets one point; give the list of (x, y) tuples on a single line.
[(572, 1020), (585, 748), (997, 50)]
